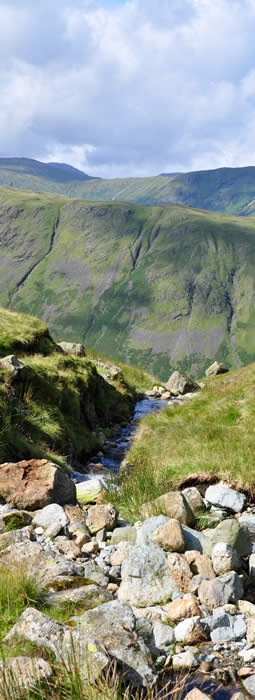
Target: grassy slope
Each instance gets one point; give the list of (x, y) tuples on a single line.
[(158, 287), (228, 190), (212, 432), (65, 403)]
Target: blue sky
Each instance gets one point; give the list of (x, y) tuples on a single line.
[(135, 87)]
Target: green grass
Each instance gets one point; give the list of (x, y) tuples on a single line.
[(23, 333), (212, 432)]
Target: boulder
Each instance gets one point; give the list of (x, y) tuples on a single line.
[(173, 505), (169, 537), (225, 558), (190, 631), (230, 532), (214, 593), (89, 490), (179, 383), (94, 574), (146, 531), (180, 571), (72, 348), (101, 516), (67, 645), (194, 498), (52, 519), (180, 609), (223, 627), (195, 540), (113, 624), (36, 483), (50, 570), (216, 368), (223, 497), (146, 579)]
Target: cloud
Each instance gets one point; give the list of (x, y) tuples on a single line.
[(128, 88)]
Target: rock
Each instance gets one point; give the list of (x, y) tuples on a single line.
[(195, 583), (114, 626), (216, 368), (65, 643), (172, 504), (102, 516), (224, 627), (190, 631), (146, 579), (90, 547), (147, 529), (19, 372), (169, 537), (14, 536), (230, 532), (250, 630), (249, 685), (196, 694), (30, 485), (194, 498), (195, 540), (226, 498), (179, 383), (248, 520), (248, 655), (52, 519), (22, 673), (72, 348), (179, 610), (121, 553), (94, 574), (251, 564), (200, 564), (19, 518), (88, 596), (235, 583), (162, 638), (121, 534), (214, 593), (51, 571), (225, 558), (180, 571), (67, 547), (79, 534), (184, 661), (246, 608), (88, 491), (238, 696), (75, 514)]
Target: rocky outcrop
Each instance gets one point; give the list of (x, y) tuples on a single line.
[(34, 484), (216, 368)]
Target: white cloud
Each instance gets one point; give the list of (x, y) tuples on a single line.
[(137, 87)]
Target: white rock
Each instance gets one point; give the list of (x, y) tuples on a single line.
[(52, 519), (224, 497), (185, 660), (225, 558), (88, 491)]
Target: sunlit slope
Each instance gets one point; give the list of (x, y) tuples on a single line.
[(158, 287)]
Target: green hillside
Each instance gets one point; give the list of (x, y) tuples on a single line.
[(228, 190), (159, 287)]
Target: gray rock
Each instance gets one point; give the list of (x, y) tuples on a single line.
[(145, 532), (52, 519), (18, 370), (194, 498), (225, 558), (179, 383), (249, 684), (230, 532), (195, 540), (248, 520), (172, 504), (89, 596), (216, 368), (195, 583), (214, 593), (226, 498), (114, 626), (66, 644), (224, 627), (72, 348), (21, 673), (94, 574), (145, 577), (50, 570), (235, 583), (184, 661), (190, 631), (15, 536), (162, 638), (124, 534)]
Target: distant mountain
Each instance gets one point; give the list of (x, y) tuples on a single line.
[(159, 287), (227, 190)]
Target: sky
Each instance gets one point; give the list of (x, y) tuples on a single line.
[(122, 88)]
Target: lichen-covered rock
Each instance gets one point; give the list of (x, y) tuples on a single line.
[(88, 596), (21, 673), (113, 624), (169, 537), (171, 504), (34, 484), (101, 516), (146, 579), (179, 383), (55, 572), (88, 491)]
